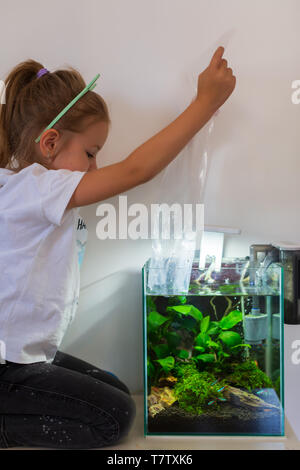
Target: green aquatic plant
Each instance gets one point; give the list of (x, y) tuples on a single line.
[(182, 333), (183, 368), (177, 299), (248, 375), (216, 342), (205, 356), (165, 341), (197, 391)]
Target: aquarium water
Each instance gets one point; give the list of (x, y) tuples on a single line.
[(213, 357)]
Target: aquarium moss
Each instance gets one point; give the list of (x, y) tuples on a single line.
[(183, 368), (195, 391), (248, 375)]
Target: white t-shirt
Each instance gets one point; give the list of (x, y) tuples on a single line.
[(40, 253)]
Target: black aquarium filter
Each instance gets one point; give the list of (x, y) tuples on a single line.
[(288, 255)]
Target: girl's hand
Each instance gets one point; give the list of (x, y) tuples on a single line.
[(216, 82)]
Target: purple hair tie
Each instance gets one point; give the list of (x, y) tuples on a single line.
[(42, 72)]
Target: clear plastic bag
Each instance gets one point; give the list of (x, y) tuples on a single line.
[(171, 261), (183, 181)]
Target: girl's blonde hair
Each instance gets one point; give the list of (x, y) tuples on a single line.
[(31, 103)]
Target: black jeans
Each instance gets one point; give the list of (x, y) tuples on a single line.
[(66, 404)]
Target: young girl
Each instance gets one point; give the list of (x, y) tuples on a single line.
[(49, 398)]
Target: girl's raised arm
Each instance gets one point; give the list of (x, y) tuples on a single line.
[(215, 85)]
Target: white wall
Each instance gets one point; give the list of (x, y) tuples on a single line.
[(144, 51)]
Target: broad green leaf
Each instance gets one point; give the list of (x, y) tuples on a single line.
[(201, 340), (187, 310), (161, 350), (183, 354), (167, 363), (204, 324), (206, 357), (155, 320), (241, 346), (230, 320), (213, 328), (213, 344), (230, 338), (196, 313), (184, 309), (199, 348)]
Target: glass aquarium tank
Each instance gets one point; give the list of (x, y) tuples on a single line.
[(213, 354)]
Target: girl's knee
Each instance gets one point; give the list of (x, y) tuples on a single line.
[(120, 416)]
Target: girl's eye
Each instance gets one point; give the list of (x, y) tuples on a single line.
[(89, 155)]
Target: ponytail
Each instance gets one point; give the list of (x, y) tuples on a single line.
[(32, 102)]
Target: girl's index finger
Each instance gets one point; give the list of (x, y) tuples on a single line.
[(217, 57)]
